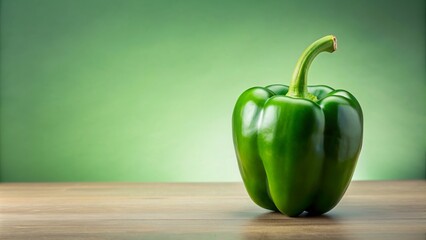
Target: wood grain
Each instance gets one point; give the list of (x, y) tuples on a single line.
[(369, 210)]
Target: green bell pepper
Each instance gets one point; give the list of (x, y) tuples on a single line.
[(297, 146)]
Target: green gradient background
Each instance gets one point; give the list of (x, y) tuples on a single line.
[(144, 90)]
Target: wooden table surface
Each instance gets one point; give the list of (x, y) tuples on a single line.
[(369, 210)]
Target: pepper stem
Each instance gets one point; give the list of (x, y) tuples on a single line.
[(298, 86)]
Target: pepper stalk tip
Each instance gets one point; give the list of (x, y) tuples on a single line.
[(334, 43)]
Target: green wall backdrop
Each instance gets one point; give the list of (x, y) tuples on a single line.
[(100, 90)]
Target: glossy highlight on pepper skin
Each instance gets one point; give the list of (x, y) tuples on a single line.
[(297, 151)]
